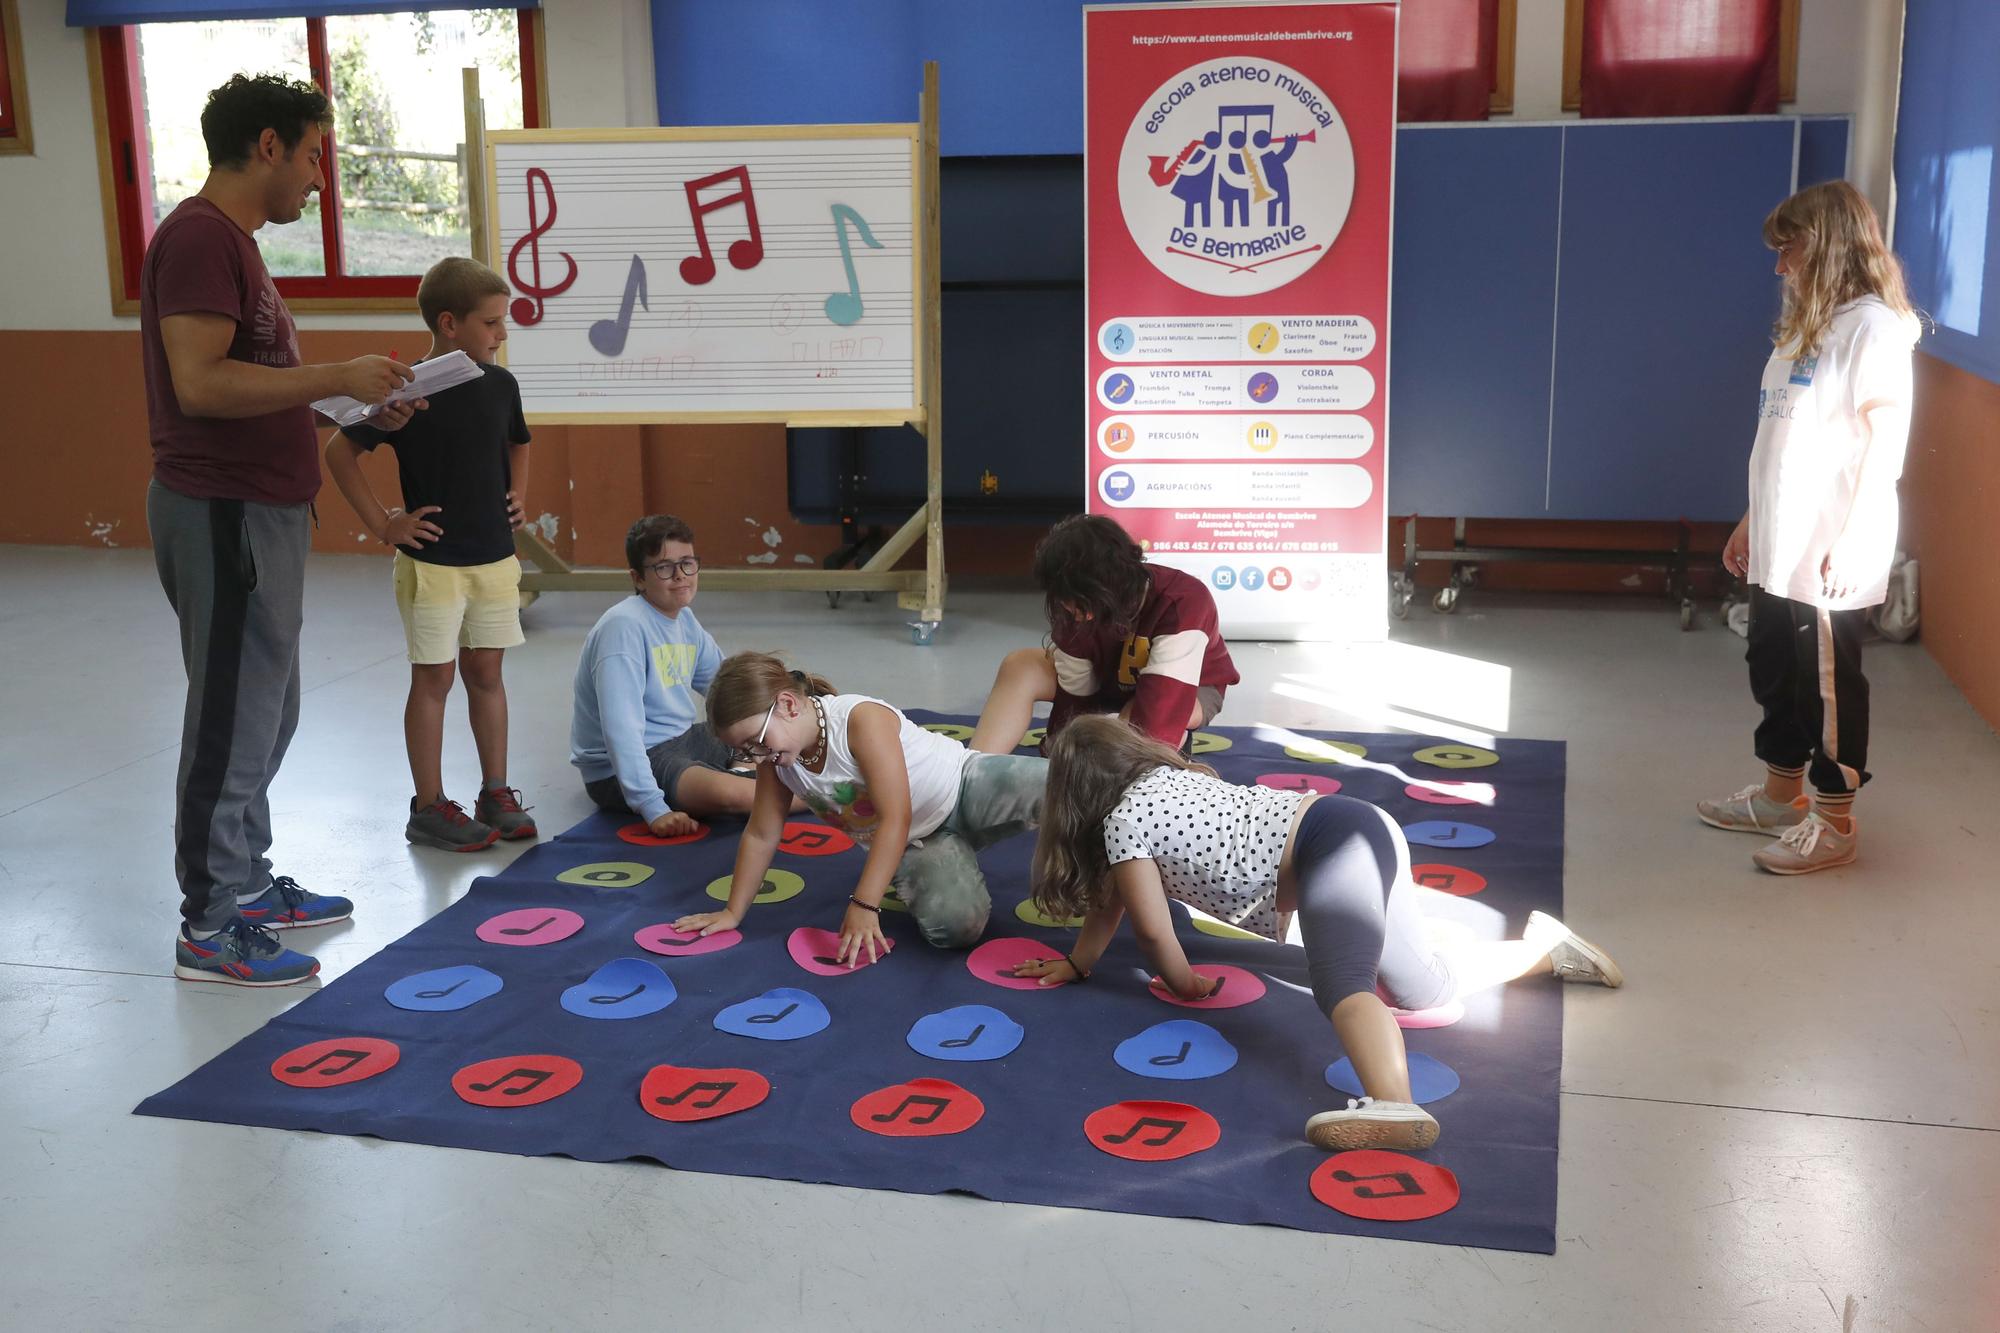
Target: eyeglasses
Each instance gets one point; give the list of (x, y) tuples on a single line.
[(754, 752), (687, 567)]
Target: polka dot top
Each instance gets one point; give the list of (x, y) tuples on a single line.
[(1217, 845)]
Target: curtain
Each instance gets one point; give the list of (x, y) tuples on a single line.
[(1680, 57), (1445, 68)]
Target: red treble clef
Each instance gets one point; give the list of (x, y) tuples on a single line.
[(528, 308)]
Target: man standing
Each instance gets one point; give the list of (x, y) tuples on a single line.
[(235, 470)]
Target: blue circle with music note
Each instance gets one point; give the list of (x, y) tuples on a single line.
[(1179, 1048), (783, 1014), (969, 1032), (1447, 833), (622, 988), (443, 989), (1431, 1079)]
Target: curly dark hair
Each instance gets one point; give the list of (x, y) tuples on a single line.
[(238, 113), (644, 538), (1089, 567)]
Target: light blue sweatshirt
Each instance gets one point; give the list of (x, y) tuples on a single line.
[(635, 687)]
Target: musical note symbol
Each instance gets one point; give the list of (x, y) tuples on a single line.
[(618, 999), (823, 961), (720, 1090), (526, 930), (938, 1106), (608, 335), (1406, 1184), (440, 994), (806, 840), (533, 303), (747, 253), (1447, 834), (1170, 1130), (778, 1017), (1175, 1059), (534, 1079), (960, 1043), (349, 1059), (1434, 880), (845, 307)]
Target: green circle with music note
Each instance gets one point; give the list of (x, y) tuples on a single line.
[(1221, 930), (958, 731), (1207, 742), (1035, 916), (778, 886), (1325, 752), (608, 875), (1456, 756), (1033, 739), (893, 902)]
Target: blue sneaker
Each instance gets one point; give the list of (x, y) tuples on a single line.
[(287, 906), (240, 954)]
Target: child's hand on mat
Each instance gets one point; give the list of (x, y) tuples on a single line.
[(412, 529), (1052, 971), (860, 929), (394, 416), (517, 513), (706, 923), (671, 824), (1203, 987)]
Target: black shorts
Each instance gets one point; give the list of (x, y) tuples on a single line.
[(697, 747)]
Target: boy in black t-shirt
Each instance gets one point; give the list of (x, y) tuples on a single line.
[(463, 463)]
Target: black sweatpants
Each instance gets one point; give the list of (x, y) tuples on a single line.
[(1805, 672)]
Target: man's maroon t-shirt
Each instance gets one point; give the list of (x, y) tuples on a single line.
[(202, 263)]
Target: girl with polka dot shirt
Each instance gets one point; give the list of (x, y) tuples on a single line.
[(1128, 823)]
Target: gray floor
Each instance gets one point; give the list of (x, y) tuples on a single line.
[(1785, 1121)]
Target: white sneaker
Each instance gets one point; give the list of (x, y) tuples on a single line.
[(1751, 811), (1573, 957), (1812, 844), (1367, 1123)]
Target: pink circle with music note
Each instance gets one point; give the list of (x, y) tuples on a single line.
[(816, 950), (1145, 1131), (641, 836), (667, 942), (1416, 1020), (526, 927), (337, 1060), (920, 1108), (1299, 782), (517, 1080), (994, 961), (1237, 988), (1450, 793), (803, 839)]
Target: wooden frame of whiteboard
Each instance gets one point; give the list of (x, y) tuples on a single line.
[(920, 590)]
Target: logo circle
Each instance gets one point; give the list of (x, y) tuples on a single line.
[(1118, 437), (1263, 337), (1263, 436)]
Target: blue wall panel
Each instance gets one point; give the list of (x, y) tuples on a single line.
[(1823, 149)]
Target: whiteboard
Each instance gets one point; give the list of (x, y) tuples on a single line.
[(715, 274)]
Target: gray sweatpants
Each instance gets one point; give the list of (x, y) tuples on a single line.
[(999, 795), (234, 572)]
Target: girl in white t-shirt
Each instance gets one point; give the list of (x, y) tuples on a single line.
[(923, 803), (1833, 417), (1129, 823)]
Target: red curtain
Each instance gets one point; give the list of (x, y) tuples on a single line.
[(1680, 57), (1445, 68)]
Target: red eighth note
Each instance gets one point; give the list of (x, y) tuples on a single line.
[(682, 1095), (920, 1108), (697, 269), (334, 1061), (517, 1080)]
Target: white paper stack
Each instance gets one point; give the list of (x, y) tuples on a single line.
[(433, 377)]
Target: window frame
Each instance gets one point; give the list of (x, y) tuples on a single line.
[(122, 162), (1501, 103), (1788, 53), (16, 132)]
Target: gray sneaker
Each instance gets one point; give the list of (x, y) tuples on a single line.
[(1812, 844), (1573, 957), (446, 825), (1751, 811), (501, 808)]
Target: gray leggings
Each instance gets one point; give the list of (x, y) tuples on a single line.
[(999, 795), (1357, 915)]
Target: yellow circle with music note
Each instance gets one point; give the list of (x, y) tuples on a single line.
[(778, 886), (1220, 930), (1033, 738), (956, 730), (608, 875), (1325, 752), (1207, 742), (1034, 916), (1456, 756), (1263, 436), (1263, 338)]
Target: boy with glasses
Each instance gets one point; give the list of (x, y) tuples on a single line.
[(637, 734)]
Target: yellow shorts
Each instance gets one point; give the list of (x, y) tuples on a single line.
[(449, 607)]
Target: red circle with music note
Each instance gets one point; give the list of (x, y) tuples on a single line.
[(1384, 1186), (816, 950), (684, 1095), (517, 1080), (641, 836), (1300, 782), (1237, 988), (525, 927), (920, 1108), (337, 1060), (667, 942), (1448, 878), (993, 962), (1439, 792), (1151, 1131), (803, 839)]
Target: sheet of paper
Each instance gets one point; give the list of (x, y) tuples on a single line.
[(433, 377)]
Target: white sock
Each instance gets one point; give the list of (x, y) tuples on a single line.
[(194, 934)]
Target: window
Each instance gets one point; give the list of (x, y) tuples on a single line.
[(1456, 60), (1679, 58), (394, 199), (14, 136)]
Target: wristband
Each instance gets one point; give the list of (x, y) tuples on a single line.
[(868, 906), (1081, 975)]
